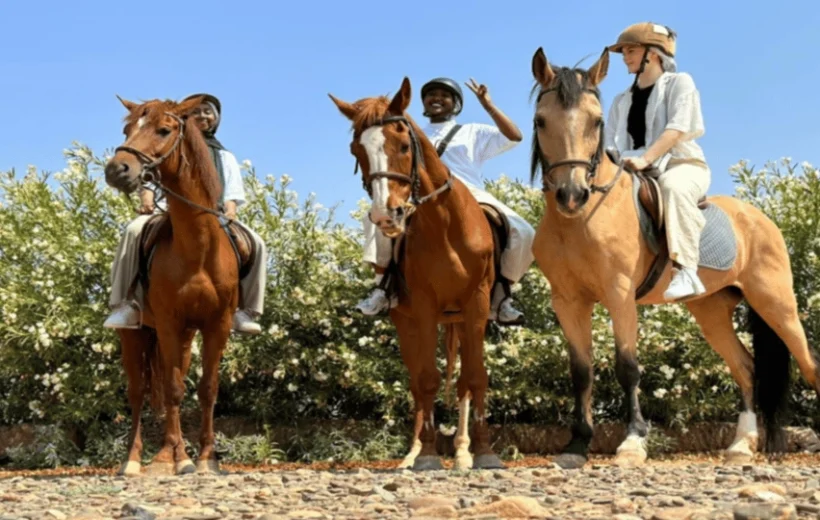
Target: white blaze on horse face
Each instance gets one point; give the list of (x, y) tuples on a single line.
[(373, 140), (141, 122)]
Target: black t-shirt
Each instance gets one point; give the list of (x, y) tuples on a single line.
[(636, 119)]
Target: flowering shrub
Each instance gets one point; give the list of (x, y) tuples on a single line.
[(319, 359)]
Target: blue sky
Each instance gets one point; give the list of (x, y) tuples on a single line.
[(272, 65)]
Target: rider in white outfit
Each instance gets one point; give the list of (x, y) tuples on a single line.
[(466, 152), (655, 122)]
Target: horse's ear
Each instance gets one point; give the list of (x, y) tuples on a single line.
[(184, 108), (129, 105), (402, 98), (598, 71), (541, 70), (347, 109)]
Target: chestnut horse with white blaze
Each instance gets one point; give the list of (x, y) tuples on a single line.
[(447, 266), (591, 248), (193, 279)]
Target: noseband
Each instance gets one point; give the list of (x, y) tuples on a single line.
[(591, 165), (414, 179), (150, 173)]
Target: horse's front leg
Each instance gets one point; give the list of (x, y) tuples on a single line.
[(408, 346), (575, 318), (214, 341), (427, 380), (624, 314)]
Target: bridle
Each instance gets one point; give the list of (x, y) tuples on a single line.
[(413, 179), (591, 165), (150, 174)]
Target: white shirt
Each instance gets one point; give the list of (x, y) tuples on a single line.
[(233, 190), (469, 148), (674, 103)]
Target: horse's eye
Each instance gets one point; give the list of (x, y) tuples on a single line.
[(539, 122), (164, 132), (405, 148)]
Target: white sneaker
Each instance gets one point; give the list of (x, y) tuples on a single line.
[(684, 283), (125, 316), (506, 314), (376, 302), (242, 322)]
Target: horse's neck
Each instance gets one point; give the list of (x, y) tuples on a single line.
[(192, 226), (442, 210)]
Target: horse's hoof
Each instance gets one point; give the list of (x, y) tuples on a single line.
[(464, 461), (130, 468), (406, 464), (630, 458), (208, 466), (632, 452), (185, 467), (487, 461), (732, 458), (427, 463), (570, 461), (160, 469)]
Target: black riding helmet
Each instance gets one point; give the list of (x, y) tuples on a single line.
[(449, 85), (210, 98)]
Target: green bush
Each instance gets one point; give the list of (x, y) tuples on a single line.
[(318, 359)]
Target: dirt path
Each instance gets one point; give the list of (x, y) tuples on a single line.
[(693, 487)]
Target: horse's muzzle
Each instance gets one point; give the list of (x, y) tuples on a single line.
[(571, 199), (121, 176)]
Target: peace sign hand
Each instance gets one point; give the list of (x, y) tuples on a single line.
[(480, 92)]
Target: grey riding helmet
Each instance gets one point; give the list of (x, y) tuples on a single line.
[(449, 85)]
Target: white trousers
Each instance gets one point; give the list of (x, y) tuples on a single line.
[(515, 259), (681, 187)]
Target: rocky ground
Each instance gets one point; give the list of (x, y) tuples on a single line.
[(679, 488)]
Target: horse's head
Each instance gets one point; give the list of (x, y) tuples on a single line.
[(386, 146), (568, 129), (153, 133)]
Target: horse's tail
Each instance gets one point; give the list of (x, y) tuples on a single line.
[(153, 375), (771, 379), (451, 343)]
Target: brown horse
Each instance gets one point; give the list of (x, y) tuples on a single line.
[(447, 265), (193, 279), (590, 247)]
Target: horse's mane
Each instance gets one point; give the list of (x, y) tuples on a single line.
[(196, 153), (569, 84), (199, 160), (370, 111)]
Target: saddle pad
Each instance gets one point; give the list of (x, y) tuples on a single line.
[(718, 245)]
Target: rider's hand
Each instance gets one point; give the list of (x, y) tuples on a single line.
[(145, 208), (636, 163)]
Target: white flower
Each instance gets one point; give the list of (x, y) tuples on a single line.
[(660, 392), (292, 387)]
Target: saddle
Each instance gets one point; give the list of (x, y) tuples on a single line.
[(393, 281), (158, 228), (651, 199)]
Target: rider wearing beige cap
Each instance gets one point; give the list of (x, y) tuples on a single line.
[(655, 122)]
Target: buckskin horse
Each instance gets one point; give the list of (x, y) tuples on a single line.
[(193, 278), (601, 239), (447, 265)]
